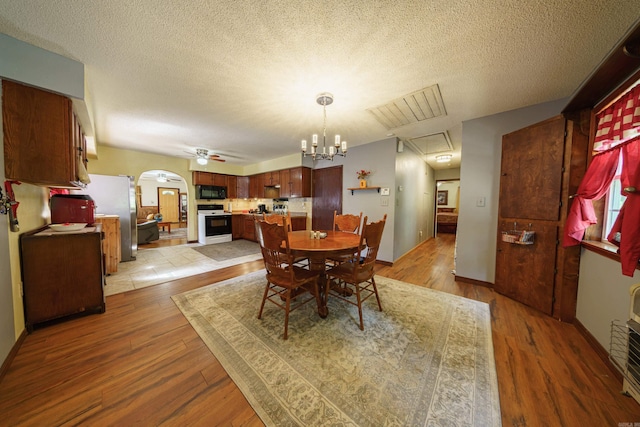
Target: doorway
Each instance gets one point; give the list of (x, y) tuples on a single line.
[(165, 193), (169, 204), (447, 205)]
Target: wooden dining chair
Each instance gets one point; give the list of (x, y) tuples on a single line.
[(300, 261), (348, 223), (357, 276), (277, 219), (285, 281)]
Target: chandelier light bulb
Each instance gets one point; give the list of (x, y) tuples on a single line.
[(304, 145), (337, 143), (315, 139)]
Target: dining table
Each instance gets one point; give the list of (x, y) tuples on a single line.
[(317, 250)]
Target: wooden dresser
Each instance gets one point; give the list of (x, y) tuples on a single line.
[(61, 274), (111, 243)]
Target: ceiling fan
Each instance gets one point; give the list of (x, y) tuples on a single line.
[(202, 156)]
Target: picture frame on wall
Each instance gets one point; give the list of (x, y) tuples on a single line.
[(443, 197)]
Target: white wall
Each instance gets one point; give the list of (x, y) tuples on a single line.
[(378, 157), (445, 174), (603, 295), (414, 202), (452, 188), (480, 178), (149, 190)]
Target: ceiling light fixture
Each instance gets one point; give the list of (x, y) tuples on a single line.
[(338, 149), (443, 158), (162, 177), (202, 155)]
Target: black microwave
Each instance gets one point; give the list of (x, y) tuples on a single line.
[(210, 192)]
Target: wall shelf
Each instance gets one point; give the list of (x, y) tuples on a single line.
[(363, 188)]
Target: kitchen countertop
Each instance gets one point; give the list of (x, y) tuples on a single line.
[(293, 214)]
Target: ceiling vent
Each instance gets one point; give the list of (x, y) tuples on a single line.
[(413, 108), (431, 144)]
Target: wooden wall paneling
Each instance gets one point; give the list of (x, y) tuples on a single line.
[(531, 171), (577, 152), (526, 272)]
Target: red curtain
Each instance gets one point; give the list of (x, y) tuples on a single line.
[(628, 221), (594, 185), (618, 131), (619, 122)]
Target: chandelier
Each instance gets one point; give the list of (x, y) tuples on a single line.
[(339, 148)]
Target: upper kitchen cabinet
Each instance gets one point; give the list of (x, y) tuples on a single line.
[(202, 178), (295, 182), (256, 186), (43, 140), (272, 179), (232, 187), (242, 187)]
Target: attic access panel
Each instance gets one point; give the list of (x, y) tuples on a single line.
[(431, 144), (415, 107)]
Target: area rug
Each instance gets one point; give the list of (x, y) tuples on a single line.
[(229, 250), (176, 233), (426, 360)]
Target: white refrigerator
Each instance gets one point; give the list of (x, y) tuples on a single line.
[(116, 195)]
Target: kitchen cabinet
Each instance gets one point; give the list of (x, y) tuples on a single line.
[(232, 187), (242, 187), (219, 179), (243, 226), (62, 274), (295, 182), (298, 223), (256, 186), (272, 179), (43, 140), (249, 231), (237, 226), (209, 178), (202, 178), (111, 247), (542, 165)]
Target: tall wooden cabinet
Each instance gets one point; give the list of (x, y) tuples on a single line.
[(62, 274), (111, 247), (542, 166)]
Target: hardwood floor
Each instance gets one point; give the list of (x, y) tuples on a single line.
[(141, 363)]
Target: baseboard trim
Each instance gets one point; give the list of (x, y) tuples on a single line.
[(12, 354), (473, 281), (602, 353)]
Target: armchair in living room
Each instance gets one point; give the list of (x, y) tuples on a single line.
[(148, 231)]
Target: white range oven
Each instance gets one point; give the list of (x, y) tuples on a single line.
[(214, 224)]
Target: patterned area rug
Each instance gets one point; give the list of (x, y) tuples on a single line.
[(229, 250), (176, 233), (426, 360)]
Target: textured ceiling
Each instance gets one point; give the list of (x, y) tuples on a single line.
[(241, 77)]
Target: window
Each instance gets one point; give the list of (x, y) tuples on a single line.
[(615, 200)]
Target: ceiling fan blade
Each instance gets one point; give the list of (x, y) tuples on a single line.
[(219, 160)]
